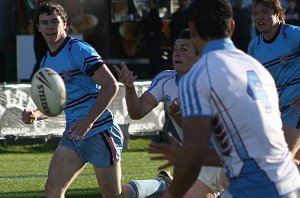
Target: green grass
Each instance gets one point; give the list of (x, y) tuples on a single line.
[(23, 170)]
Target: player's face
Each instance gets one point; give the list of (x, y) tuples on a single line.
[(52, 28), (184, 55), (264, 19)]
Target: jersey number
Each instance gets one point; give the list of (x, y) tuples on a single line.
[(256, 91)]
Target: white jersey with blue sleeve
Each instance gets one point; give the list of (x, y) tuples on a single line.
[(240, 97), (281, 57), (164, 88), (76, 61)]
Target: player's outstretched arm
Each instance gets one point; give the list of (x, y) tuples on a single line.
[(29, 116), (137, 106)]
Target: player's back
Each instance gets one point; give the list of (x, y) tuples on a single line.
[(243, 104)]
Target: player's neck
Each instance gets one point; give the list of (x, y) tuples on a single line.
[(55, 45), (272, 32)]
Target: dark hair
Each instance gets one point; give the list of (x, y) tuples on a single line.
[(211, 18), (275, 5), (49, 8), (185, 34)]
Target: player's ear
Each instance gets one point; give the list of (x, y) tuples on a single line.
[(193, 30), (231, 26), (65, 26)]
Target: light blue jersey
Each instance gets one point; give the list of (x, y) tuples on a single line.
[(281, 56), (75, 61), (240, 97)]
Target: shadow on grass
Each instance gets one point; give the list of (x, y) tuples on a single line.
[(35, 148), (36, 145), (71, 193)]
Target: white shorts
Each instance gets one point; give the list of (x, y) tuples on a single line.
[(210, 175)]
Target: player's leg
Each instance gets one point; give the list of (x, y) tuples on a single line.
[(64, 167), (199, 189), (150, 187), (292, 137), (291, 128), (210, 183), (109, 180), (104, 153)]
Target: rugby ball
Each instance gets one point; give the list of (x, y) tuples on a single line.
[(48, 92)]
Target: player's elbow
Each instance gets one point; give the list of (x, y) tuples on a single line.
[(113, 89), (135, 116)]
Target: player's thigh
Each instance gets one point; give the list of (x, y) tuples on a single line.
[(210, 176), (199, 189), (109, 180), (292, 137), (64, 167)]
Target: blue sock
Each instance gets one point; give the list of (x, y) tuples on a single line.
[(144, 188)]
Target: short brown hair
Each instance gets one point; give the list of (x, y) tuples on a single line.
[(275, 5), (49, 8)]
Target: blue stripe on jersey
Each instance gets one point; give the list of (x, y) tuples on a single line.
[(89, 61), (277, 60), (104, 121), (161, 76), (221, 118), (293, 82), (81, 100), (193, 94), (253, 182)]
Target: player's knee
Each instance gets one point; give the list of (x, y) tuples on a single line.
[(53, 190), (111, 191)]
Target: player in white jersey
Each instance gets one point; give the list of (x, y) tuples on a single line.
[(91, 133), (164, 88), (228, 96), (277, 48)]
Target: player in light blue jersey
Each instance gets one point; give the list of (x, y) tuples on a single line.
[(277, 47), (91, 133), (164, 88), (229, 96)]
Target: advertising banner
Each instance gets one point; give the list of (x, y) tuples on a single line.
[(15, 98)]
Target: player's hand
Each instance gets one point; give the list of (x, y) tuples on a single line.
[(28, 116), (168, 151), (79, 128), (167, 194), (174, 107), (125, 76), (295, 102)]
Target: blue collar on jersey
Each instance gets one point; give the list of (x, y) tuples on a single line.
[(223, 43), (177, 78)]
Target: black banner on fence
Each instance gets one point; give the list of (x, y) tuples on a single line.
[(15, 98)]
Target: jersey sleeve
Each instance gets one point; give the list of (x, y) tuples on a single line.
[(85, 57), (293, 37), (194, 92), (157, 85)]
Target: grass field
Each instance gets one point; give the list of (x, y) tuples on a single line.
[(23, 170)]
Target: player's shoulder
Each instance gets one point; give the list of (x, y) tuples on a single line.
[(165, 74), (288, 30), (74, 44)]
